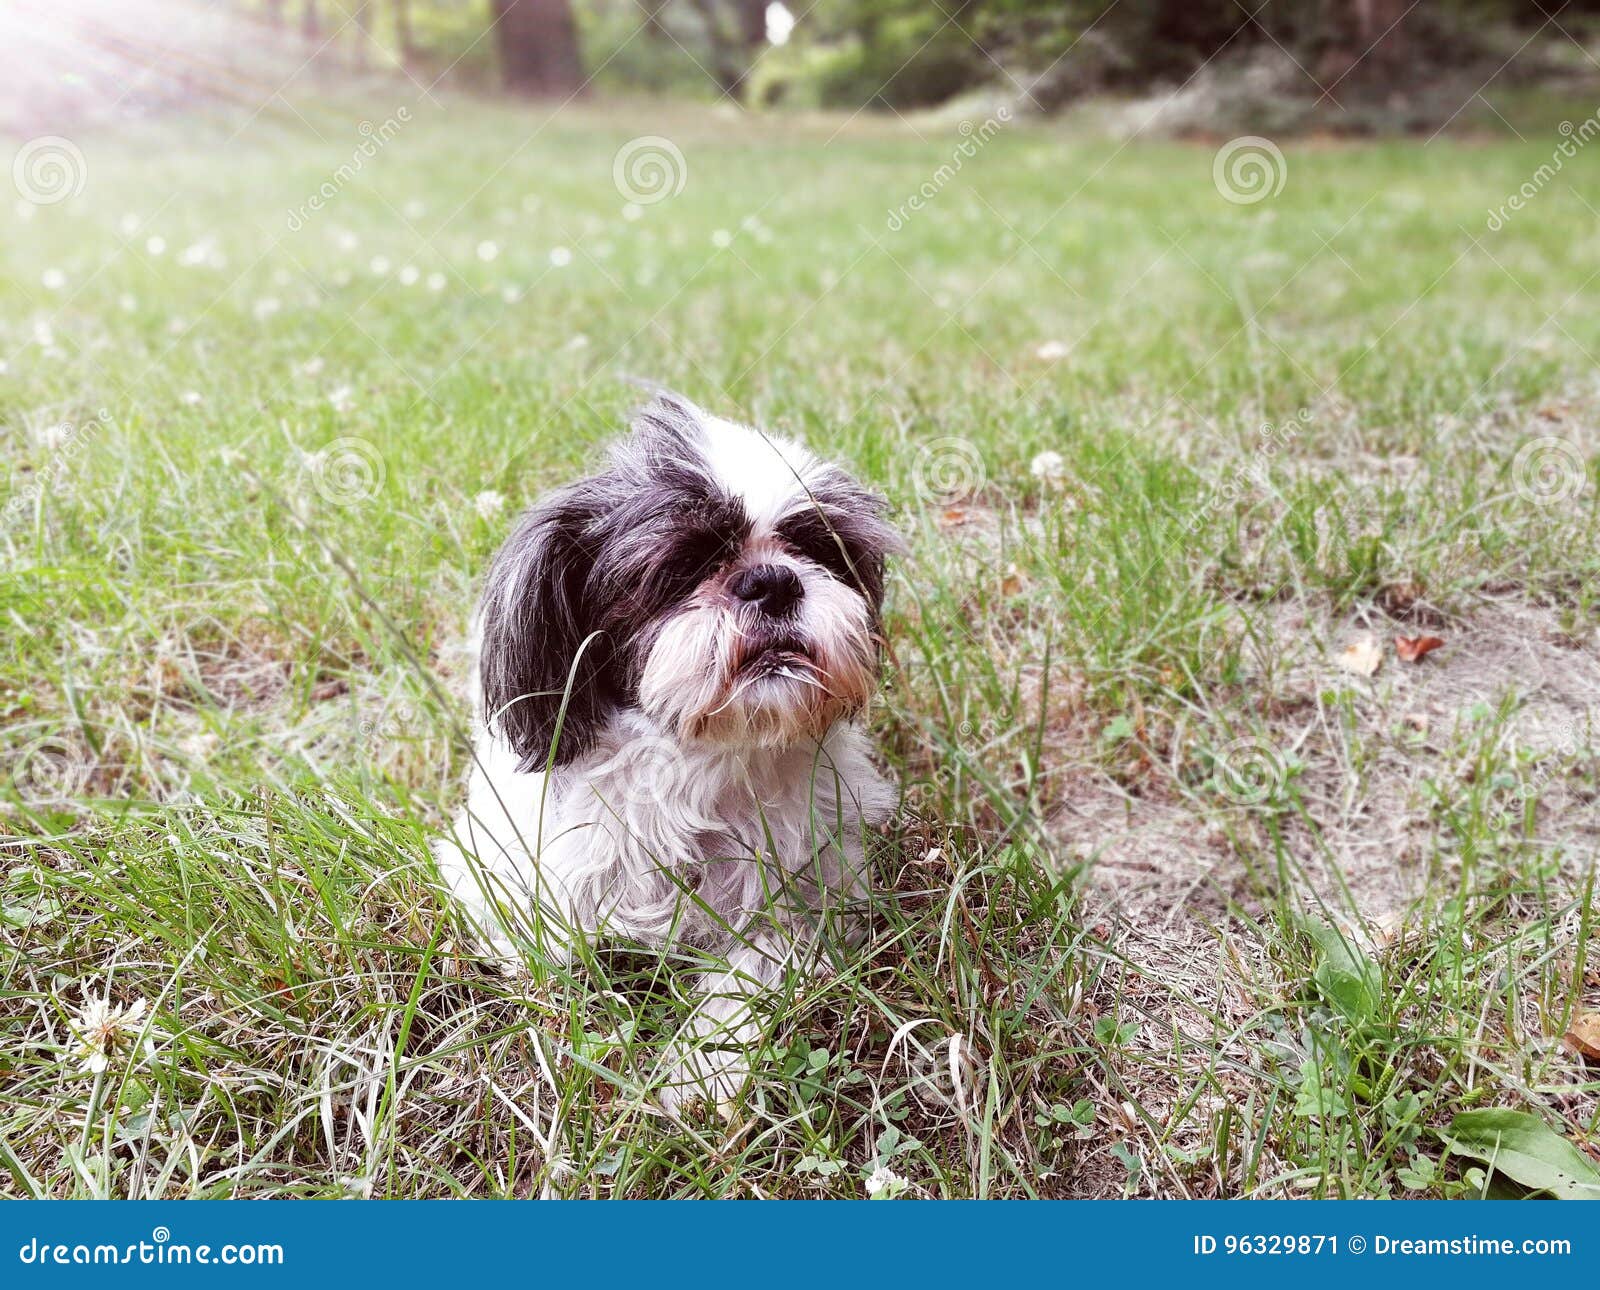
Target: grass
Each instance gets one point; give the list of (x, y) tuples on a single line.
[(1179, 905)]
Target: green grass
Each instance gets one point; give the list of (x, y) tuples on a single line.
[(232, 672)]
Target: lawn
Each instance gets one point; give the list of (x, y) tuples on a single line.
[(1186, 899)]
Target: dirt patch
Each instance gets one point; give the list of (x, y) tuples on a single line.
[(1351, 824)]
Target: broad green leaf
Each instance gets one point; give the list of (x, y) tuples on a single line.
[(1524, 1148), (1347, 978)]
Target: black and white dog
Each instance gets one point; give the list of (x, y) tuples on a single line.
[(672, 655)]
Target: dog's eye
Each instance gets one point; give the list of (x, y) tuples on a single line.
[(812, 536), (693, 556)]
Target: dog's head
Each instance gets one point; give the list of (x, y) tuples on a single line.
[(725, 582)]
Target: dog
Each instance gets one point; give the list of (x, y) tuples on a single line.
[(673, 658)]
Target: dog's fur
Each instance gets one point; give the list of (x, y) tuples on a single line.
[(672, 655)]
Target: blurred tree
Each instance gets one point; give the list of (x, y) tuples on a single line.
[(1273, 59), (736, 33), (403, 39), (360, 21), (1365, 41), (538, 44), (653, 26)]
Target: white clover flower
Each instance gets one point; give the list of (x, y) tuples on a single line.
[(312, 365), (487, 251), (156, 245), (1049, 467), (342, 397), (409, 274), (489, 503), (266, 307), (53, 279), (379, 265), (884, 1179), (436, 282), (1051, 351), (721, 239), (105, 1032), (191, 398), (560, 257)]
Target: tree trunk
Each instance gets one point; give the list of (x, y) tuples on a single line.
[(363, 33), (1367, 44), (733, 55), (538, 42), (402, 33), (653, 26), (753, 26)]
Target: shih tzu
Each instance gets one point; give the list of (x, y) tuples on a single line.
[(672, 658)]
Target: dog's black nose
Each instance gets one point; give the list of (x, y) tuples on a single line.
[(773, 588)]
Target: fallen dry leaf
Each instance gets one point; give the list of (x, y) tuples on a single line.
[(953, 517), (1584, 1036), (1412, 648), (1363, 657)]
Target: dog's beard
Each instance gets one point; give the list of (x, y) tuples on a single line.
[(722, 674)]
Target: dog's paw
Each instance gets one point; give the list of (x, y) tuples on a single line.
[(700, 1078)]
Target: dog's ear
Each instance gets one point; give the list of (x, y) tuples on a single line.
[(545, 670)]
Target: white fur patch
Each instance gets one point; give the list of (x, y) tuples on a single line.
[(769, 474)]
